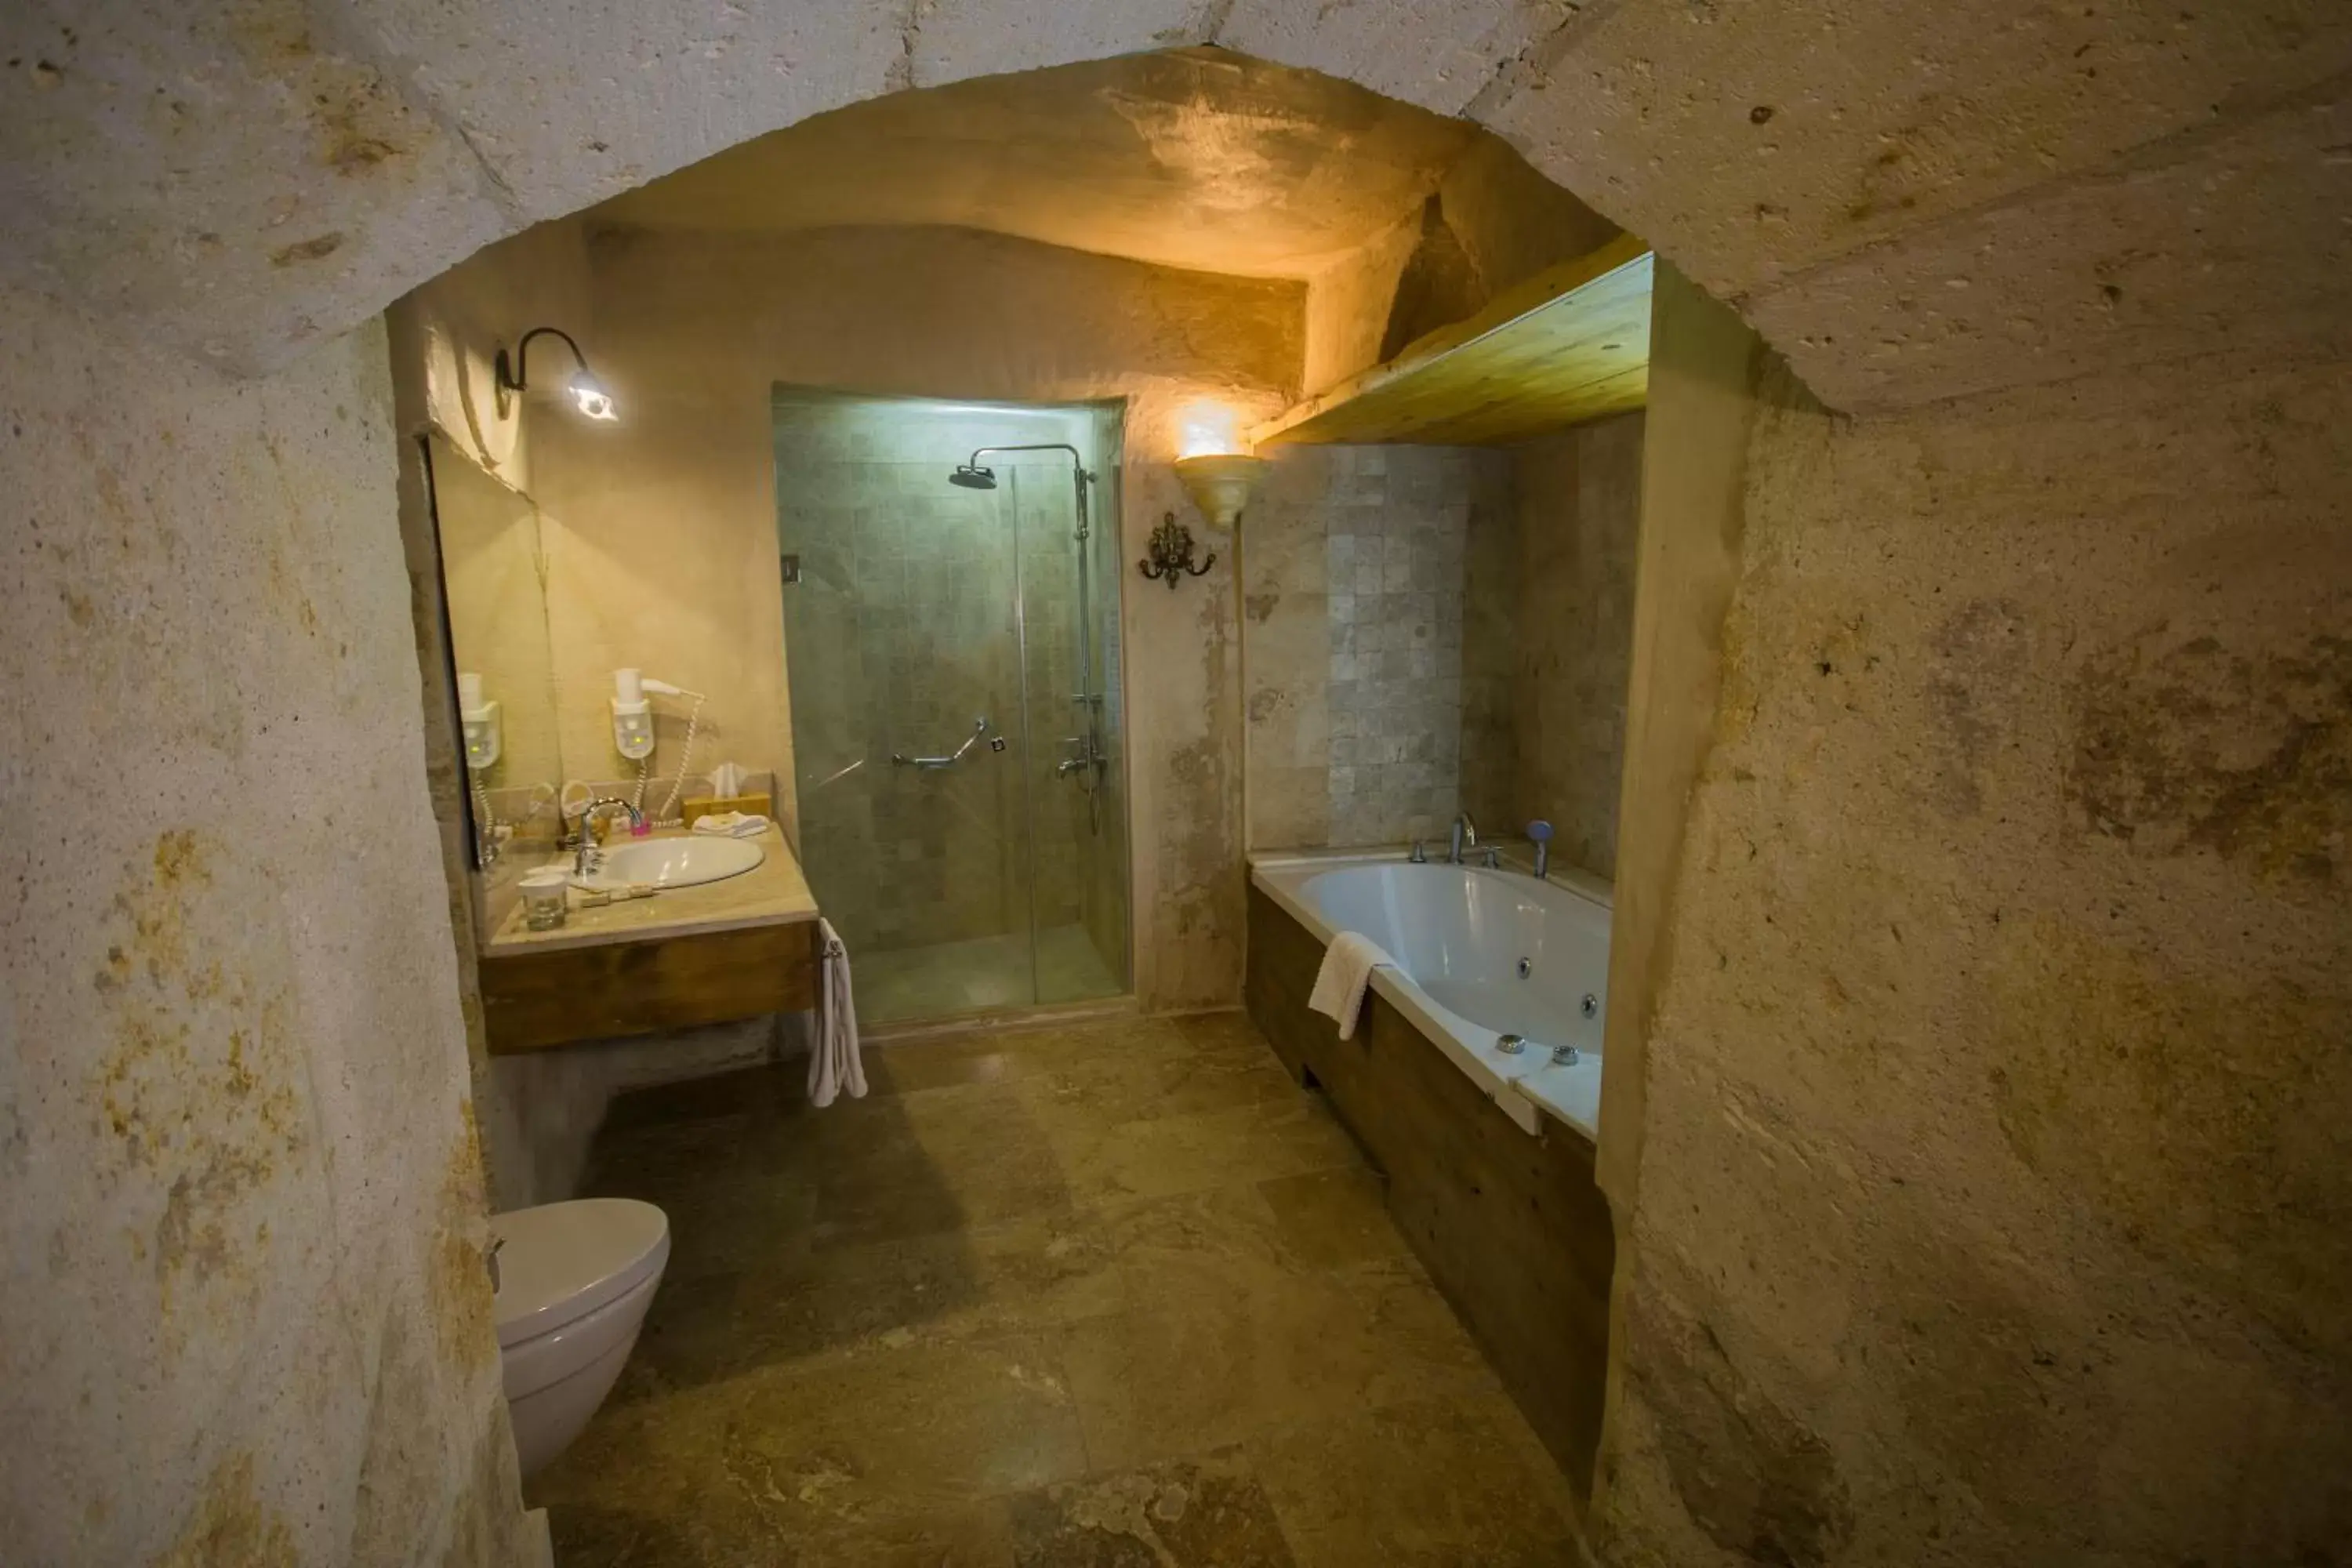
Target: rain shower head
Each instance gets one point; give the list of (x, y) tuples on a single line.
[(972, 477)]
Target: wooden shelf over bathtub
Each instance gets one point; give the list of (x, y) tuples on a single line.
[(1571, 343)]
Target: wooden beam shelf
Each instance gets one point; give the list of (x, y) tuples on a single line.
[(1569, 344)]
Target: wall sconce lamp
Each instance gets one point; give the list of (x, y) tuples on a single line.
[(1221, 484), (587, 392), (1172, 554)]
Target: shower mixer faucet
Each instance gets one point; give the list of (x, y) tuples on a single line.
[(1090, 755)]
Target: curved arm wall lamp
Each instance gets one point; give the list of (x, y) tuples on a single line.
[(587, 392)]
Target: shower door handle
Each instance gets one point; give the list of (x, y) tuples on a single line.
[(978, 728)]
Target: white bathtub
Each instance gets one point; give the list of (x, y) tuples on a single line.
[(1479, 954)]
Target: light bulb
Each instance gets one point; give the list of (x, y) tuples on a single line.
[(594, 401), (1207, 429)]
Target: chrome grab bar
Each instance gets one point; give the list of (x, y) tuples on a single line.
[(978, 728)]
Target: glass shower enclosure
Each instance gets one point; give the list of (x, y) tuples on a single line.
[(950, 644)]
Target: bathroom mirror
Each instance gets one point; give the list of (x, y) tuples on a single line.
[(493, 568)]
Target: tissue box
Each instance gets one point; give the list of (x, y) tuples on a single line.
[(702, 806)]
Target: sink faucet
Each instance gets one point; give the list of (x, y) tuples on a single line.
[(589, 856), (1465, 832)]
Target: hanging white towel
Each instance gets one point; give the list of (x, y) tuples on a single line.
[(835, 1065), (1340, 982)]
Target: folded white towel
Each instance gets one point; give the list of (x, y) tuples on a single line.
[(732, 824), (1340, 982), (834, 1063)]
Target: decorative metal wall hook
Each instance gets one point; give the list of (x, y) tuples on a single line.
[(1172, 553)]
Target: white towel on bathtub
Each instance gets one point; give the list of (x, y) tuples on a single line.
[(834, 1064), (1339, 985)]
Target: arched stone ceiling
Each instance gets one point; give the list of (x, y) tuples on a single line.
[(1913, 199), (1194, 158)]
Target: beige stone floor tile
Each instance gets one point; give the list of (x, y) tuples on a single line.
[(647, 1482), (851, 1441), (1065, 1045), (1103, 1292), (845, 1445), (678, 1496), (1212, 1240), (1208, 1511), (940, 1289), (1110, 1089), (1227, 1033), (736, 1220), (1331, 1218), (1103, 1160), (991, 1055), (979, 1536), (948, 1158), (1449, 1481), (663, 1161), (899, 1067), (1209, 1353), (589, 1536)]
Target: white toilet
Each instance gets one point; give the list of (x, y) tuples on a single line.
[(574, 1281)]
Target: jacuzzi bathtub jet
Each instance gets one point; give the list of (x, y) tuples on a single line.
[(1507, 974)]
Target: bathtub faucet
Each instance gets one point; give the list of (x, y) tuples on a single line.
[(1465, 832)]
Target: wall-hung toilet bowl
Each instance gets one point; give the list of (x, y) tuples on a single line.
[(574, 1280)]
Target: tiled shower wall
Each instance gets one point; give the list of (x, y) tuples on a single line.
[(1355, 562)]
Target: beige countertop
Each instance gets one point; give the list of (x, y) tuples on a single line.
[(772, 893)]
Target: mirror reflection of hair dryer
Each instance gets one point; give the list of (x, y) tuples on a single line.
[(477, 716), (632, 716)]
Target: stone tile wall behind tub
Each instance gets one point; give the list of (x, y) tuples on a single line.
[(1354, 566), (1556, 647)]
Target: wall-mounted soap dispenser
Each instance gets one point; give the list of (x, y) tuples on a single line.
[(478, 717), (632, 716)]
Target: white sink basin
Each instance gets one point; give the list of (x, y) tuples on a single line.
[(671, 863)]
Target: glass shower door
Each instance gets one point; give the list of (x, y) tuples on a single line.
[(951, 661), (903, 660), (1077, 825)]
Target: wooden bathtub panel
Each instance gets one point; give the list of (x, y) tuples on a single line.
[(1511, 1227)]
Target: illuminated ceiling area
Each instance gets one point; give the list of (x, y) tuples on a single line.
[(1192, 158), (1422, 241)]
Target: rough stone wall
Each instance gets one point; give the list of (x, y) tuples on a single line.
[(2076, 186), (248, 1316), (1492, 222), (1996, 1187), (1912, 203)]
